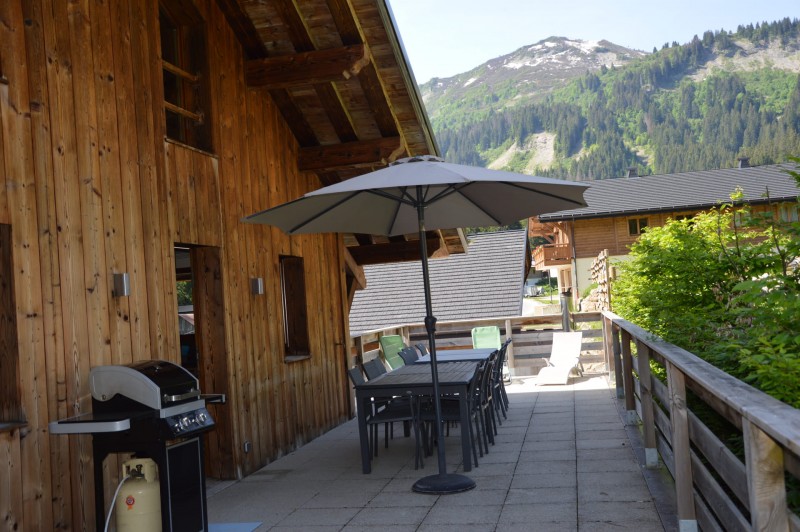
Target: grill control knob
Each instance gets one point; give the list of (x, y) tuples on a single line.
[(201, 417)]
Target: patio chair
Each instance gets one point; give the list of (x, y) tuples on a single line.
[(409, 355), (374, 368), (564, 357), (422, 349), (483, 337), (391, 344), (498, 382)]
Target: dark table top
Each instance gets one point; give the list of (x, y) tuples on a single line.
[(419, 375), (458, 355)]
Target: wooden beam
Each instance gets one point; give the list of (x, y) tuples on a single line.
[(355, 270), (393, 252), (349, 154), (243, 28), (307, 68)]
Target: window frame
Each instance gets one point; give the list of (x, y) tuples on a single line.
[(11, 415), (294, 304), (185, 76), (640, 225)]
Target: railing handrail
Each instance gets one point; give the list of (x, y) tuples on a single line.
[(776, 418)]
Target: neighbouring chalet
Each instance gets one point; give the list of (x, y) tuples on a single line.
[(134, 137), (619, 209), (484, 282)]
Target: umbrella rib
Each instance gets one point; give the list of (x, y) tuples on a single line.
[(323, 212)]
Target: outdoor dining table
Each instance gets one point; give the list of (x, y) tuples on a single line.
[(458, 355), (454, 378)]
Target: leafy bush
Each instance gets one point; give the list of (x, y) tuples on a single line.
[(724, 285)]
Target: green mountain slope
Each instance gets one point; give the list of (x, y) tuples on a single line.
[(685, 107)]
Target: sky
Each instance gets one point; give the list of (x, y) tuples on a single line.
[(447, 37)]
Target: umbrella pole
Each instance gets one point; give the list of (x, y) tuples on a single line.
[(444, 482)]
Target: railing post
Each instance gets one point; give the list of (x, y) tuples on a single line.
[(510, 349), (359, 343), (627, 379), (679, 419), (616, 360), (648, 419), (765, 479)]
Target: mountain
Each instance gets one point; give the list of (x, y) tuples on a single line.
[(579, 110), (525, 75)]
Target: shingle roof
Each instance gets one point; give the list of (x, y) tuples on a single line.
[(683, 191), (485, 282)]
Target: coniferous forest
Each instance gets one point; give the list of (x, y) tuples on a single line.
[(653, 114)]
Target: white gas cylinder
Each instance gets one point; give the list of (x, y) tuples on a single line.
[(138, 506)]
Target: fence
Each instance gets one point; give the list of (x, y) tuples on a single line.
[(532, 337), (716, 487)]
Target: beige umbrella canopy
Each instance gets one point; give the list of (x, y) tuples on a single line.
[(419, 194)]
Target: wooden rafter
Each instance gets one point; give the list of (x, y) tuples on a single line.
[(349, 154), (307, 68), (394, 251)]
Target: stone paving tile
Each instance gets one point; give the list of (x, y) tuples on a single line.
[(303, 517), (562, 461), (618, 516), (459, 515), (541, 495), (547, 444), (561, 467), (543, 480), (547, 455), (402, 515), (536, 514)]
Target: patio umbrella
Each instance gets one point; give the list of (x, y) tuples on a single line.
[(417, 194)]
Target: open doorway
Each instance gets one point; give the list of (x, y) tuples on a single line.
[(201, 321)]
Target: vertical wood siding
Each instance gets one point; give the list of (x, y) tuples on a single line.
[(90, 188)]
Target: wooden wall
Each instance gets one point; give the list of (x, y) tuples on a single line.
[(89, 187)]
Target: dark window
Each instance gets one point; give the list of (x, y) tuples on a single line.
[(636, 225), (10, 410), (295, 313), (185, 72)]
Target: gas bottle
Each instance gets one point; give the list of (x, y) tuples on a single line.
[(138, 505)]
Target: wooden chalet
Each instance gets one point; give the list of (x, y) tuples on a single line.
[(619, 209), (134, 137)]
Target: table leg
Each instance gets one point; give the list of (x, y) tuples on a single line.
[(466, 437), (363, 405)]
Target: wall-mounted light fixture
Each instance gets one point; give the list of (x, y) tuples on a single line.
[(257, 286), (122, 285)]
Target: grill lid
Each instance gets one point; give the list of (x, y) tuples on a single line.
[(153, 383)]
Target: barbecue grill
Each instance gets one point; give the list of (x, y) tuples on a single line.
[(153, 409)]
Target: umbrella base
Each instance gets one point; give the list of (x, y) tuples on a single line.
[(443, 484)]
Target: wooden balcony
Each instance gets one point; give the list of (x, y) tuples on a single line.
[(551, 255)]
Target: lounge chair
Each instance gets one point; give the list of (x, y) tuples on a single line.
[(486, 337), (564, 357), (391, 344)]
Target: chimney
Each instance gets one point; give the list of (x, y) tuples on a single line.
[(633, 171), (744, 162)]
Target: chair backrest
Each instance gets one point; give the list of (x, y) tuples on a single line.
[(409, 354), (486, 337), (391, 344), (356, 377), (374, 368), (566, 350), (422, 349)]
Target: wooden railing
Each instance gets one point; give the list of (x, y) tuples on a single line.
[(715, 488), (551, 255), (532, 337)]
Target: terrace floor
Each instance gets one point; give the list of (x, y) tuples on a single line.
[(563, 460)]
